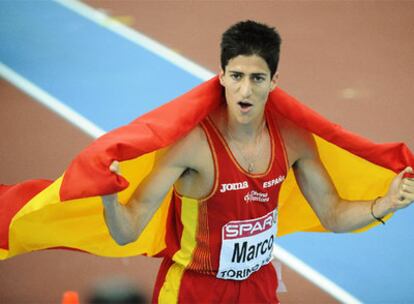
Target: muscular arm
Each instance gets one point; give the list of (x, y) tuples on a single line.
[(335, 213), (126, 222)]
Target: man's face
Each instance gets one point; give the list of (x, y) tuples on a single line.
[(247, 84)]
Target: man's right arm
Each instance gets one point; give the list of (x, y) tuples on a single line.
[(127, 222)]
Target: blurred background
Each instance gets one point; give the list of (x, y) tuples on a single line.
[(352, 61)]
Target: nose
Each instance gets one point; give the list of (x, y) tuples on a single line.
[(246, 88)]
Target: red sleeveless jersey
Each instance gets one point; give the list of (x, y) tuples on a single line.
[(230, 232)]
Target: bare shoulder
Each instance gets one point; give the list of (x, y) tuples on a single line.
[(192, 153), (299, 142), (188, 151)]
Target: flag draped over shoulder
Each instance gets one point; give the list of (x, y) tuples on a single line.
[(68, 213)]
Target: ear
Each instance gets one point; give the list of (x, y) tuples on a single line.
[(274, 81), (221, 77)]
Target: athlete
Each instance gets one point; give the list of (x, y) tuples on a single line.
[(226, 174)]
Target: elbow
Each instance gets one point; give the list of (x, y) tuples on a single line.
[(122, 234), (332, 219), (330, 223), (123, 240), (334, 229), (327, 224)]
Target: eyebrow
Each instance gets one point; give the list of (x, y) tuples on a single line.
[(253, 74)]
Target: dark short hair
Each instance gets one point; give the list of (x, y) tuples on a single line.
[(251, 38)]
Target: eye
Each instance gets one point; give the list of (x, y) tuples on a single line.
[(258, 78), (236, 76)]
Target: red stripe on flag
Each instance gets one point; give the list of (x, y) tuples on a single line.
[(12, 199), (394, 156)]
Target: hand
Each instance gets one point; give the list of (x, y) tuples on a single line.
[(112, 198), (114, 167), (401, 192)]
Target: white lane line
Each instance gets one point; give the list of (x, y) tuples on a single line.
[(138, 38), (50, 102), (185, 64), (312, 275)]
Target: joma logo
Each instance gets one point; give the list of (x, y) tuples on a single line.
[(234, 186)]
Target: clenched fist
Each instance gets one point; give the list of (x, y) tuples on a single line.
[(401, 191)]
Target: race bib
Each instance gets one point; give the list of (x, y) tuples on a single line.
[(246, 246)]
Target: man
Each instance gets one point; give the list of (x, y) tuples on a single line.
[(227, 173)]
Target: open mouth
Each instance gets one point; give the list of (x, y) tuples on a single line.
[(244, 105)]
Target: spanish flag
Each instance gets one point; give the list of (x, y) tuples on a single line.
[(68, 213)]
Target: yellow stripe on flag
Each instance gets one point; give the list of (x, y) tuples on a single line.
[(46, 222), (3, 254)]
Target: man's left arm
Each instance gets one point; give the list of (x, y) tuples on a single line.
[(339, 215)]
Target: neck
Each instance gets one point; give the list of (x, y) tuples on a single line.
[(245, 132)]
